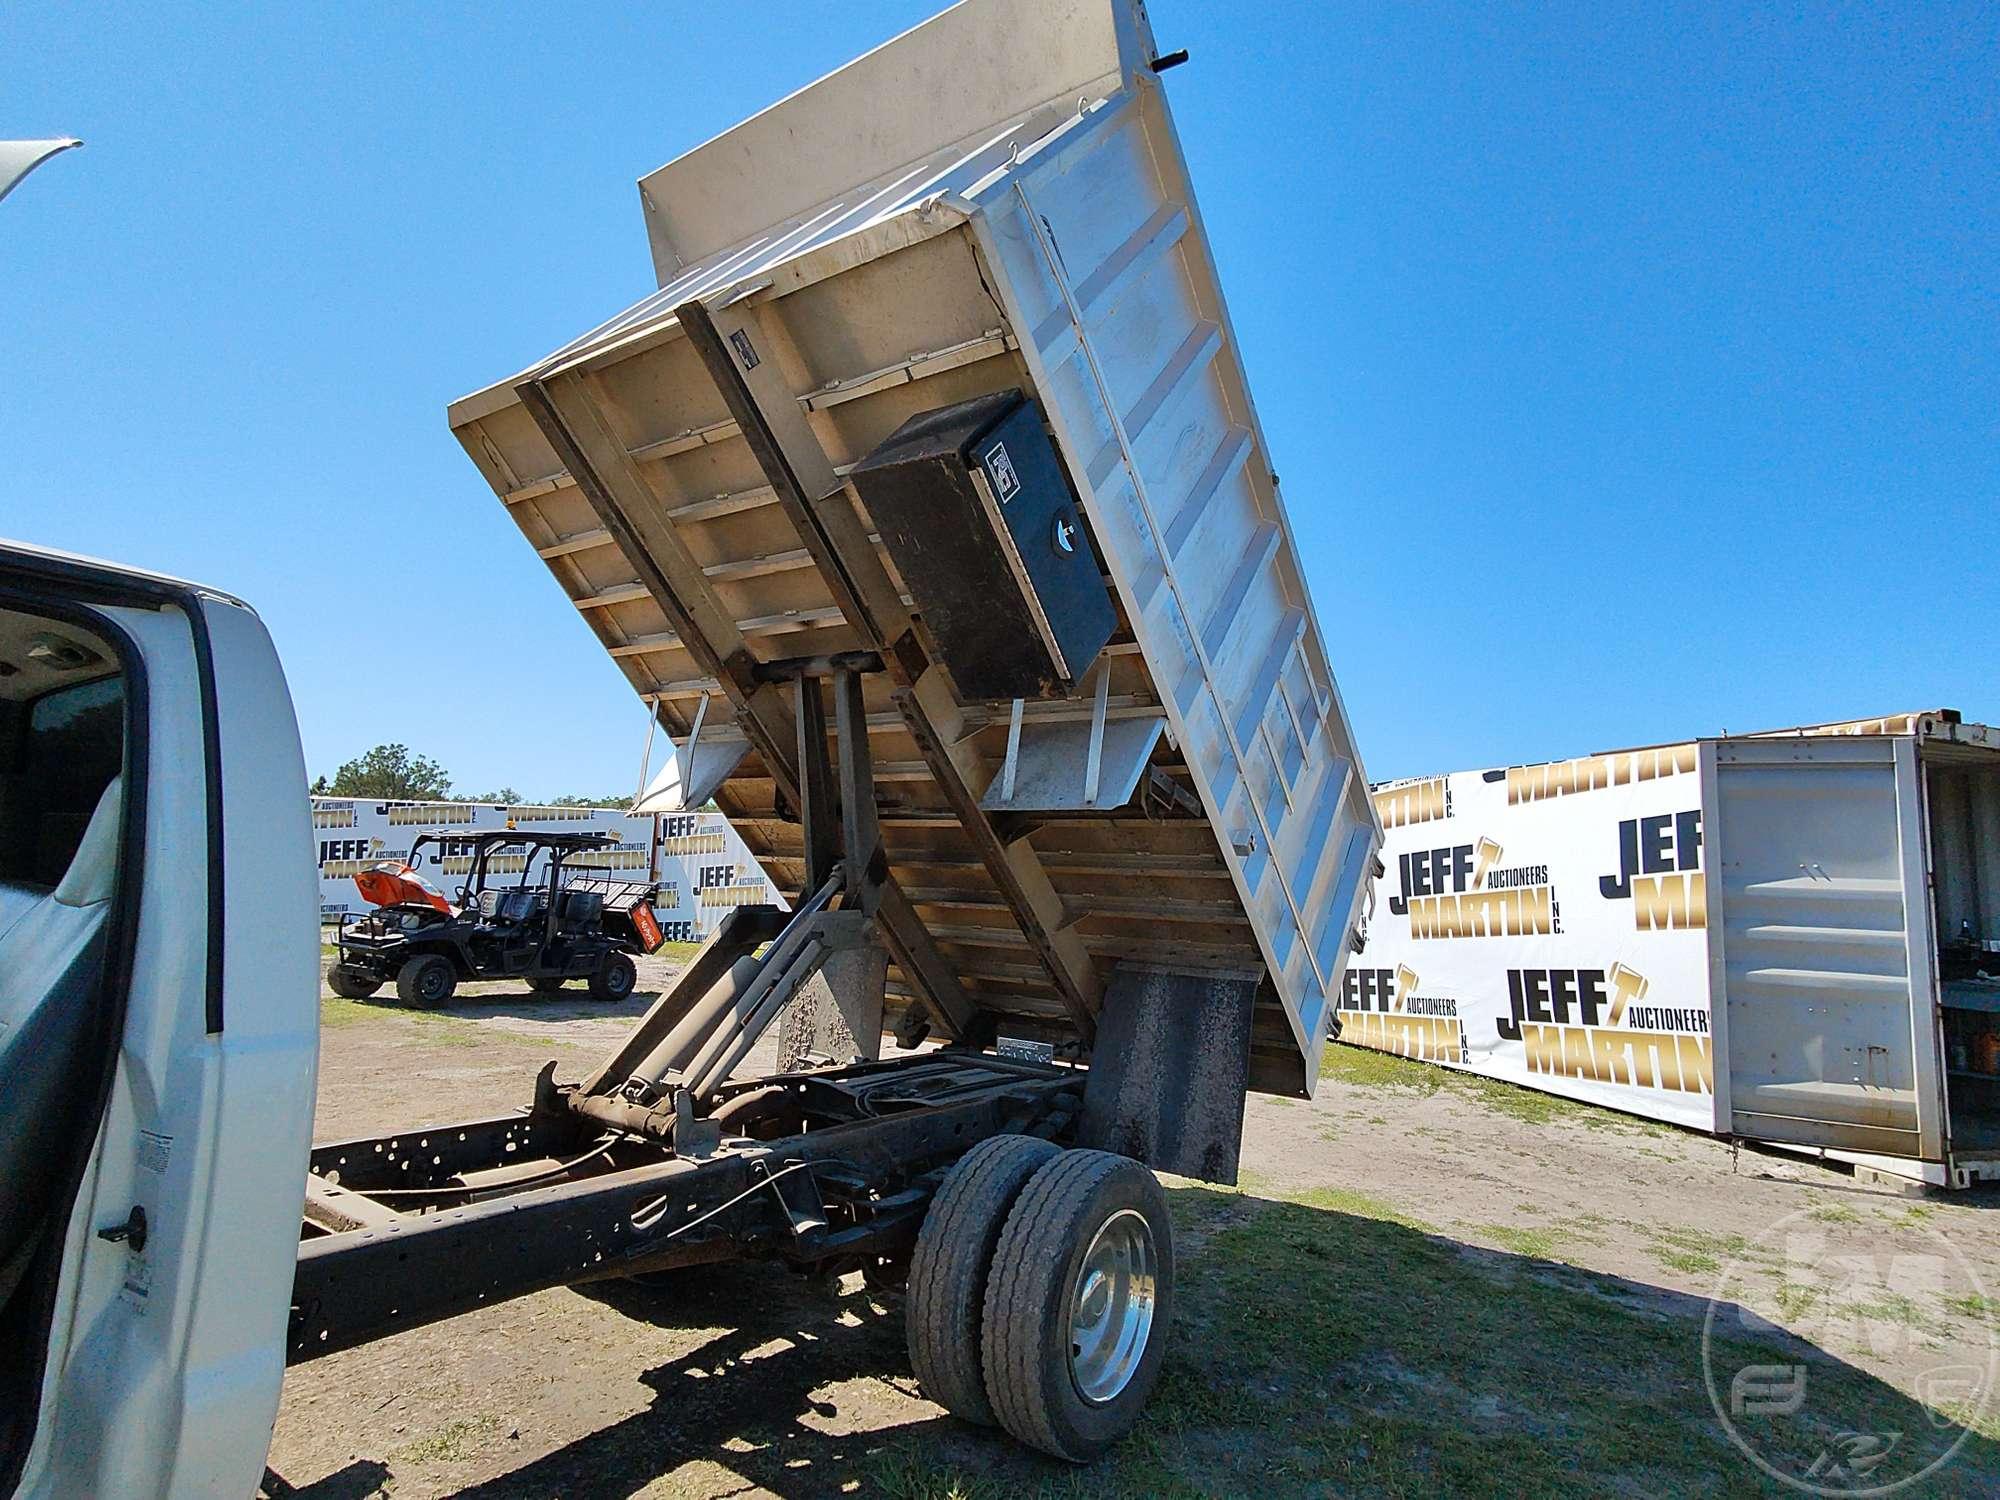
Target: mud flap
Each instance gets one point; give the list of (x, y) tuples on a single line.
[(1168, 1074)]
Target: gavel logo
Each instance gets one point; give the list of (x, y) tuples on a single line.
[(1488, 853), (1406, 980), (1626, 985)]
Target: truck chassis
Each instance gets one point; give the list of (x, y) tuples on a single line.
[(408, 1229), (663, 1158)]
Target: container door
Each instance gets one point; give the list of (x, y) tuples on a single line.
[(1818, 943)]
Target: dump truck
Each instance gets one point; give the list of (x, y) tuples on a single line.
[(925, 502)]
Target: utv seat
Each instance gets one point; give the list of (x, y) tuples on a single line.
[(51, 968), (581, 908), (514, 904)]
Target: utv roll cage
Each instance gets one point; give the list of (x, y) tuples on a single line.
[(560, 847)]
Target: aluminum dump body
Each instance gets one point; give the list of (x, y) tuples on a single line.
[(994, 201)]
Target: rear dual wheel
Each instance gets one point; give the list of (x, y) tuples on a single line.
[(949, 1268), (1049, 1276)]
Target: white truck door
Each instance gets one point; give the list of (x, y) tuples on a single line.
[(1818, 952), (158, 1032)]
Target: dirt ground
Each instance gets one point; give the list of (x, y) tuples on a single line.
[(1424, 1284)]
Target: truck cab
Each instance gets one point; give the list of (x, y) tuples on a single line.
[(158, 1030)]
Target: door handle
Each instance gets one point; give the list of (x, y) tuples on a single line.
[(132, 1232)]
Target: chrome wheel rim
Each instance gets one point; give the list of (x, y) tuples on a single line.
[(1111, 1306)]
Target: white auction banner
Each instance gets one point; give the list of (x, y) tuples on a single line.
[(701, 863), (1546, 925)]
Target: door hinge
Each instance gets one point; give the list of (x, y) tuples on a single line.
[(132, 1231)]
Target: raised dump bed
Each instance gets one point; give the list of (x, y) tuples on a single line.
[(994, 205)]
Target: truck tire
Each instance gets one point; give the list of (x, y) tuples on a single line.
[(548, 984), (615, 978), (427, 979), (1078, 1304), (351, 984), (948, 1271)]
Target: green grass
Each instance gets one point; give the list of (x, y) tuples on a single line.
[(1361, 1205), (1694, 1252), (450, 1443), (440, 1027), (1330, 1345), (1363, 1067), (1975, 1305), (334, 1011), (1796, 1302), (1554, 1241), (1895, 1307), (1536, 1244)]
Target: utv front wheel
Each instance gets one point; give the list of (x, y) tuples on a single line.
[(351, 984), (615, 978), (427, 979)]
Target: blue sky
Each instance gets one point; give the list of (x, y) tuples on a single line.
[(1633, 370)]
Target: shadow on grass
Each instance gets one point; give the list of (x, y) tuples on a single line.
[(1317, 1350), (1357, 1354)]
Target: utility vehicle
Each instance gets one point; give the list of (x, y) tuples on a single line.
[(563, 926)]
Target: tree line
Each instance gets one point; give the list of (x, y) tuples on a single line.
[(395, 772)]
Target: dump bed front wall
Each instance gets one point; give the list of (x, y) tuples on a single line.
[(1546, 925)]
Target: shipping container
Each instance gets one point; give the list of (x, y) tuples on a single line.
[(703, 870), (1107, 715), (1790, 937)]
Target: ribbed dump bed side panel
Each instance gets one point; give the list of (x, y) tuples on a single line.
[(1073, 267), (1099, 253)]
